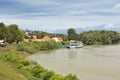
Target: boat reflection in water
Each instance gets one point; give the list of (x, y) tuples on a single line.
[(75, 44)]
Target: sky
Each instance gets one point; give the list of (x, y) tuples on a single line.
[(51, 15)]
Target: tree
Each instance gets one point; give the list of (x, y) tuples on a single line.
[(15, 34), (3, 31), (99, 37), (72, 35)]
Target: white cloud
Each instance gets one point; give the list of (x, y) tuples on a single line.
[(57, 14), (108, 26), (117, 6)]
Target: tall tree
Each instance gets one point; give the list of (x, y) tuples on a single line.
[(3, 31), (72, 35), (15, 34)]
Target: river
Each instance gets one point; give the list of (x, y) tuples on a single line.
[(88, 63)]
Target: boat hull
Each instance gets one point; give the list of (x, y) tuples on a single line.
[(70, 47), (75, 45)]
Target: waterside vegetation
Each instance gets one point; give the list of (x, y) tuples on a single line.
[(35, 46), (31, 70)]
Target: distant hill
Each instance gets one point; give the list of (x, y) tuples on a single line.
[(114, 27)]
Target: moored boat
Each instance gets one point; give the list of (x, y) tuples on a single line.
[(75, 44)]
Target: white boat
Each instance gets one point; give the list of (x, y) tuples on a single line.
[(75, 44)]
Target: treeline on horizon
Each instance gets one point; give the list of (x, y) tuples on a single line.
[(99, 37), (12, 33), (94, 37)]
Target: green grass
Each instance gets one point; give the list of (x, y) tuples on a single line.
[(7, 72), (8, 47)]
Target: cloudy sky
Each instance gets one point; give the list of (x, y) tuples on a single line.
[(59, 14)]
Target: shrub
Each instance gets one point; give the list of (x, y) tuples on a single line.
[(47, 75), (25, 62), (19, 66), (71, 77), (57, 77), (32, 47), (36, 70), (27, 47)]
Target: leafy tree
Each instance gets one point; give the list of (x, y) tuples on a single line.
[(99, 37), (15, 34), (72, 35), (3, 31)]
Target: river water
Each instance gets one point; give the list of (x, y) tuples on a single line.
[(88, 63)]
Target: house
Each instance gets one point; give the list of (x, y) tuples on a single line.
[(57, 39), (34, 37), (46, 38), (60, 39)]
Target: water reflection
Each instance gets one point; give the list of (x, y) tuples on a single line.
[(72, 54)]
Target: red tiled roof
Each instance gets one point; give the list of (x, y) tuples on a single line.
[(46, 38), (60, 39)]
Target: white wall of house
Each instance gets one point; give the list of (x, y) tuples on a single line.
[(56, 39)]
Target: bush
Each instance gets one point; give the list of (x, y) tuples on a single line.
[(57, 77), (32, 47), (36, 70), (27, 47), (47, 75), (71, 77), (19, 66)]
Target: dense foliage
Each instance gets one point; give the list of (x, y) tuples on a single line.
[(10, 33), (99, 37), (32, 69), (34, 46), (72, 35)]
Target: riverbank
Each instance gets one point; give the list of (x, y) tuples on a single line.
[(30, 69)]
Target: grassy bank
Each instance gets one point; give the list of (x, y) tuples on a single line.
[(31, 70), (7, 72)]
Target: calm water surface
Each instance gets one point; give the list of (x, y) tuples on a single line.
[(88, 63)]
